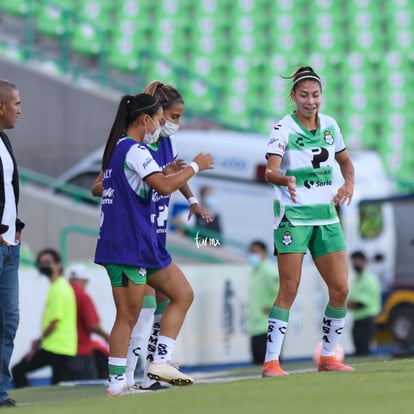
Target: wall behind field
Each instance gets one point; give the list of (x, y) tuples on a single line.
[(215, 329), (60, 123)]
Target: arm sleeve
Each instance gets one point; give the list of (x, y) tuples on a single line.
[(339, 139), (140, 160), (277, 142)]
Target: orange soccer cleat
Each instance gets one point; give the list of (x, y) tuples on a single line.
[(272, 369), (330, 363)]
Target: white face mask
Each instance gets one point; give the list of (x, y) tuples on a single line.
[(169, 128), (151, 137), (254, 259)]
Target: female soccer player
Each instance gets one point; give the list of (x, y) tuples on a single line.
[(300, 158), (165, 154), (128, 245)]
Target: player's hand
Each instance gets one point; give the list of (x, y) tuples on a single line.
[(204, 161), (180, 164), (170, 169), (344, 194), (196, 209), (176, 166)]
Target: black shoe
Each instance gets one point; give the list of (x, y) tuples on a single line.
[(9, 402), (155, 387)]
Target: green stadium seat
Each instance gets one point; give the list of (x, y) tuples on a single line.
[(171, 40), (97, 12), (131, 33), (359, 130), (53, 20), (365, 27), (235, 110), (12, 51), (208, 57), (16, 7), (400, 37), (326, 34), (396, 82), (123, 53), (133, 9), (160, 69), (200, 96), (87, 39), (177, 10), (212, 7), (286, 34), (211, 67)]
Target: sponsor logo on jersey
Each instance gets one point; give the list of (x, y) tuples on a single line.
[(147, 162), (310, 183)]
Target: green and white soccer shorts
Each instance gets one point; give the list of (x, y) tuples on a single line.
[(120, 274), (320, 240)]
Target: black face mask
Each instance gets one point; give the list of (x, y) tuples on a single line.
[(358, 269), (46, 270)]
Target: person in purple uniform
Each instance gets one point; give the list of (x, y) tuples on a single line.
[(128, 245), (155, 303)]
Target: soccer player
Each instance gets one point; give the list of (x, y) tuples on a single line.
[(165, 154), (300, 156), (128, 245)]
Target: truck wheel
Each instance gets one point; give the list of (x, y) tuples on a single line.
[(401, 324)]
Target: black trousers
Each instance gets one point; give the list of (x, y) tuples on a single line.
[(258, 348), (42, 358), (83, 367), (363, 332)]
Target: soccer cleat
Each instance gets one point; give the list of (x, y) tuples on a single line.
[(330, 363), (272, 369), (156, 386), (8, 402), (127, 390), (132, 389), (168, 373)]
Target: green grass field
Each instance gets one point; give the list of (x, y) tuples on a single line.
[(375, 387)]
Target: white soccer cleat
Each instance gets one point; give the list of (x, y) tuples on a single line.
[(168, 373), (127, 390)]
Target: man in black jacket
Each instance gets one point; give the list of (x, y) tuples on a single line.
[(10, 228)]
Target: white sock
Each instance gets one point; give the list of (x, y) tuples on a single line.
[(117, 378), (332, 330), (275, 336), (165, 348), (137, 341), (151, 349)]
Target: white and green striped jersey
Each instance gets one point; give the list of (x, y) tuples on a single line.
[(310, 158)]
